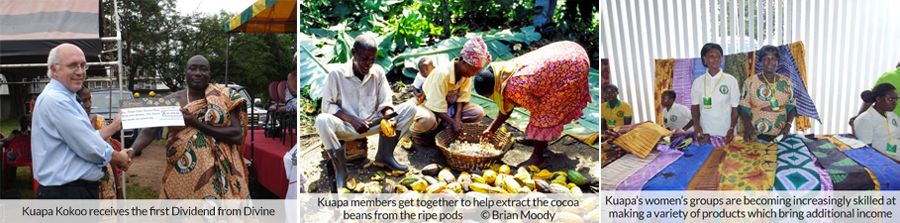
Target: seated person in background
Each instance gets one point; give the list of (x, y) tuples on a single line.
[(878, 126), (426, 65), (614, 112), (675, 116)]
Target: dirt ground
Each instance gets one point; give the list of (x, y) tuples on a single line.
[(565, 154), (147, 169)]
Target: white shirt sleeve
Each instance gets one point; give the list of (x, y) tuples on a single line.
[(864, 130), (420, 80)]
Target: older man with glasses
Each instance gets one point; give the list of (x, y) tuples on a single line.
[(68, 155)]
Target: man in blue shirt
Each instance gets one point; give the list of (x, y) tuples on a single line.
[(68, 155)]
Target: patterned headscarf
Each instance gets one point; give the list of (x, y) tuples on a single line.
[(475, 52)]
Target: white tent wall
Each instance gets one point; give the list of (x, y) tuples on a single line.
[(849, 44)]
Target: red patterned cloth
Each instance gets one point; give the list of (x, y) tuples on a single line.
[(475, 52), (552, 84)]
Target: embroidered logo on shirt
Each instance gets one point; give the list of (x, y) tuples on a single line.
[(764, 93), (673, 118), (620, 114), (723, 89)]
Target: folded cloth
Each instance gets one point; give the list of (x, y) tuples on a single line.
[(716, 141), (641, 140), (834, 141), (796, 168), (637, 180), (678, 175), (885, 169), (622, 168), (845, 173), (748, 166), (850, 141)]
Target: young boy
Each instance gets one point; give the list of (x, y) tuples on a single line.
[(425, 67), (676, 116)]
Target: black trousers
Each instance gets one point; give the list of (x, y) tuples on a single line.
[(79, 189)]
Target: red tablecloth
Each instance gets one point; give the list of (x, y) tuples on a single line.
[(267, 155)]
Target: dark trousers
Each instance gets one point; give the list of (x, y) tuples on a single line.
[(79, 189)]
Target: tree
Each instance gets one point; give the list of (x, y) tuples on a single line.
[(146, 28)]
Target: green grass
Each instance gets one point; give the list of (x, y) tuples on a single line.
[(135, 191), (23, 187)]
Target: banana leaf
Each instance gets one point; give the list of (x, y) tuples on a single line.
[(313, 71)]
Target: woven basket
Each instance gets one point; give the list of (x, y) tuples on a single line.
[(502, 141)]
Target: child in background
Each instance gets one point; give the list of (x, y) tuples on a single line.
[(425, 67)]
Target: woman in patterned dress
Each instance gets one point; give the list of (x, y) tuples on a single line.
[(767, 100), (550, 82)]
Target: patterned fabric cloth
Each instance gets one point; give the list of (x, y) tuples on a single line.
[(886, 170), (552, 85), (736, 65), (616, 172), (797, 169), (748, 166), (678, 175), (663, 79), (801, 123), (502, 72), (475, 52), (641, 140), (716, 141), (845, 173), (682, 78), (707, 177), (199, 167), (109, 184), (756, 96), (637, 180)]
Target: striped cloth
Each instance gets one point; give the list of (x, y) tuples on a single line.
[(788, 67), (682, 79), (616, 172), (707, 177), (886, 170)]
